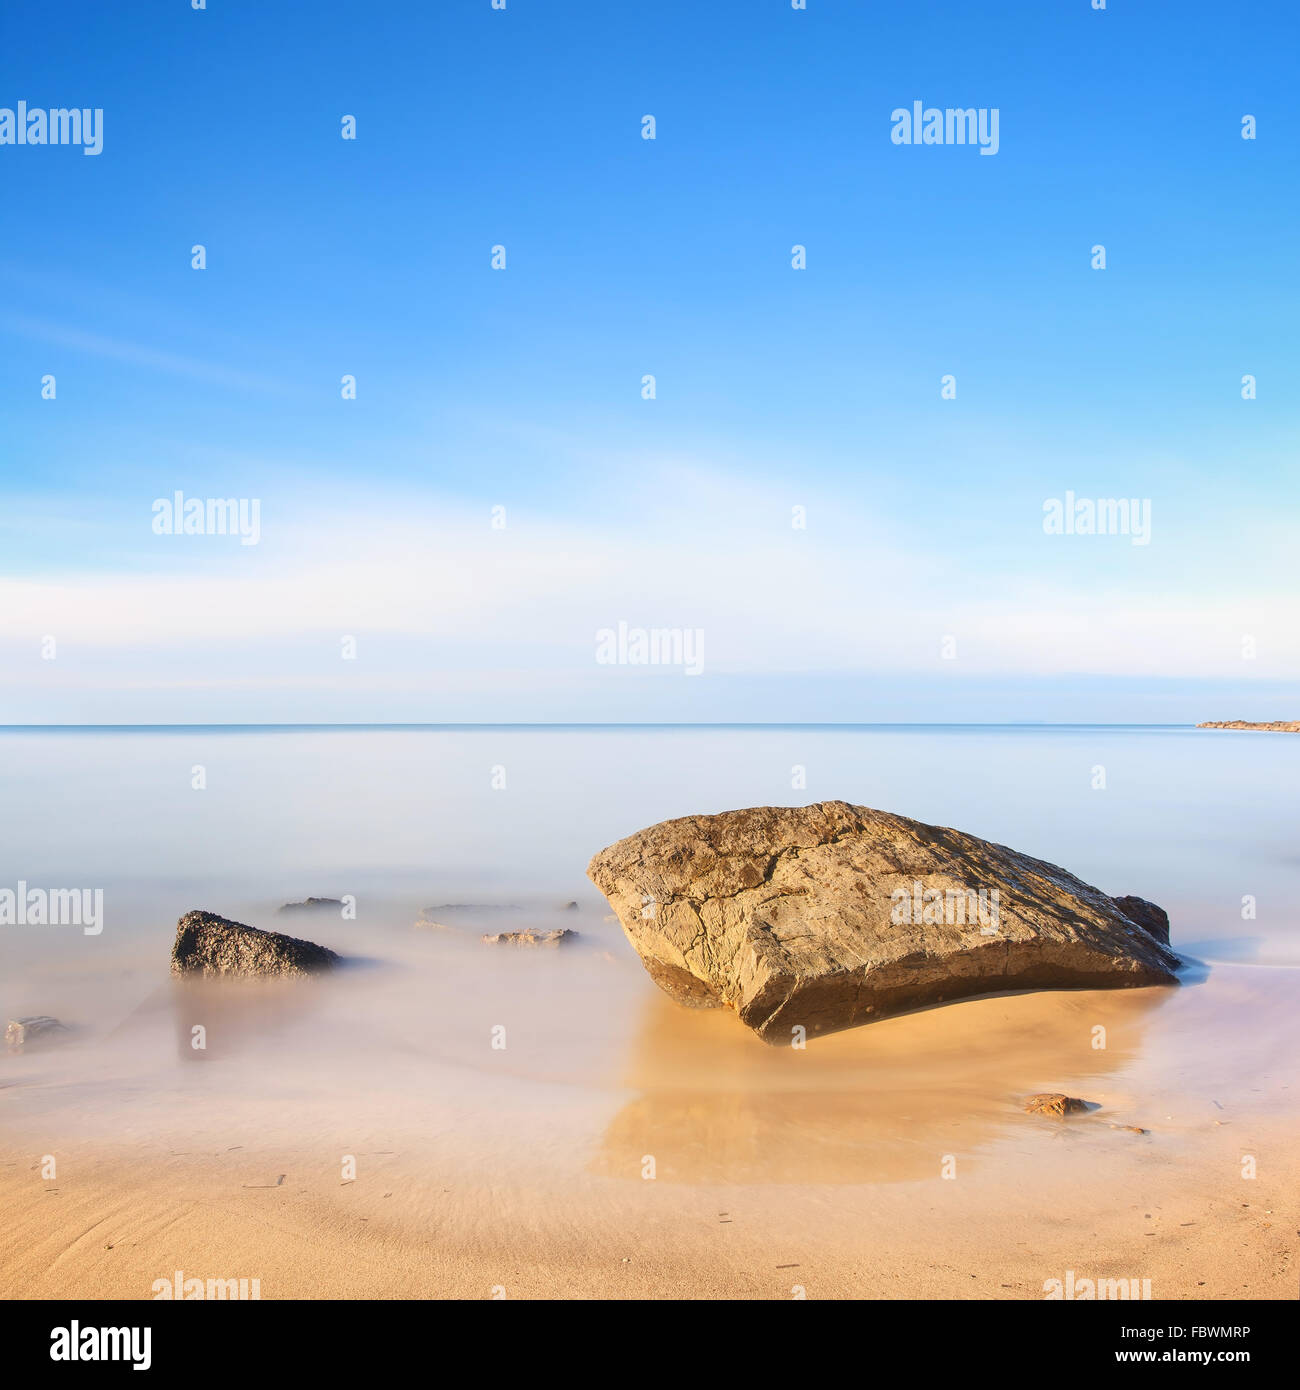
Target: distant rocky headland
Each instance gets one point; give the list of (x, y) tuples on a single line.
[(1277, 726)]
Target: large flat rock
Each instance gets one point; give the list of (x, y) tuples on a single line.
[(831, 915)]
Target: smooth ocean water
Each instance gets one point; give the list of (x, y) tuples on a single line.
[(1196, 820), (505, 820)]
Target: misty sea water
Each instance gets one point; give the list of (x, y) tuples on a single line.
[(484, 829), (163, 820)]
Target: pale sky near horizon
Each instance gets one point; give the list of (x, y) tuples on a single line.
[(923, 584)]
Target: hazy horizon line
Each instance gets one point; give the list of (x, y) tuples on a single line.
[(612, 724)]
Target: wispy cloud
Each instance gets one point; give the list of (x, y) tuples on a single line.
[(432, 592), (138, 354)]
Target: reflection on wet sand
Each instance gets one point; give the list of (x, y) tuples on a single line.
[(215, 1019), (882, 1103)]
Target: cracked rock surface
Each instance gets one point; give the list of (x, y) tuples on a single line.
[(831, 915)]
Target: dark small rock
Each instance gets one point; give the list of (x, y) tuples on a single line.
[(1152, 919), (313, 905), (40, 1029), (209, 945)]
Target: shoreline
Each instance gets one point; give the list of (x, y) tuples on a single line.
[(893, 1161)]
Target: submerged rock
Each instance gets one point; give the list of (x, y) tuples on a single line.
[(209, 945), (424, 922), (532, 938), (1056, 1104), (40, 1029), (827, 916), (474, 908)]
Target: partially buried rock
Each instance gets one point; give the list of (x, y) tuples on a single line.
[(208, 945), (1056, 1104), (312, 905), (532, 938), (39, 1030), (824, 917)]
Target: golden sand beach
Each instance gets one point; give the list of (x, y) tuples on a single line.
[(373, 1143)]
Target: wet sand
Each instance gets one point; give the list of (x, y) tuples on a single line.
[(890, 1161)]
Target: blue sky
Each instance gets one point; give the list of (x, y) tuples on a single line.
[(776, 388)]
